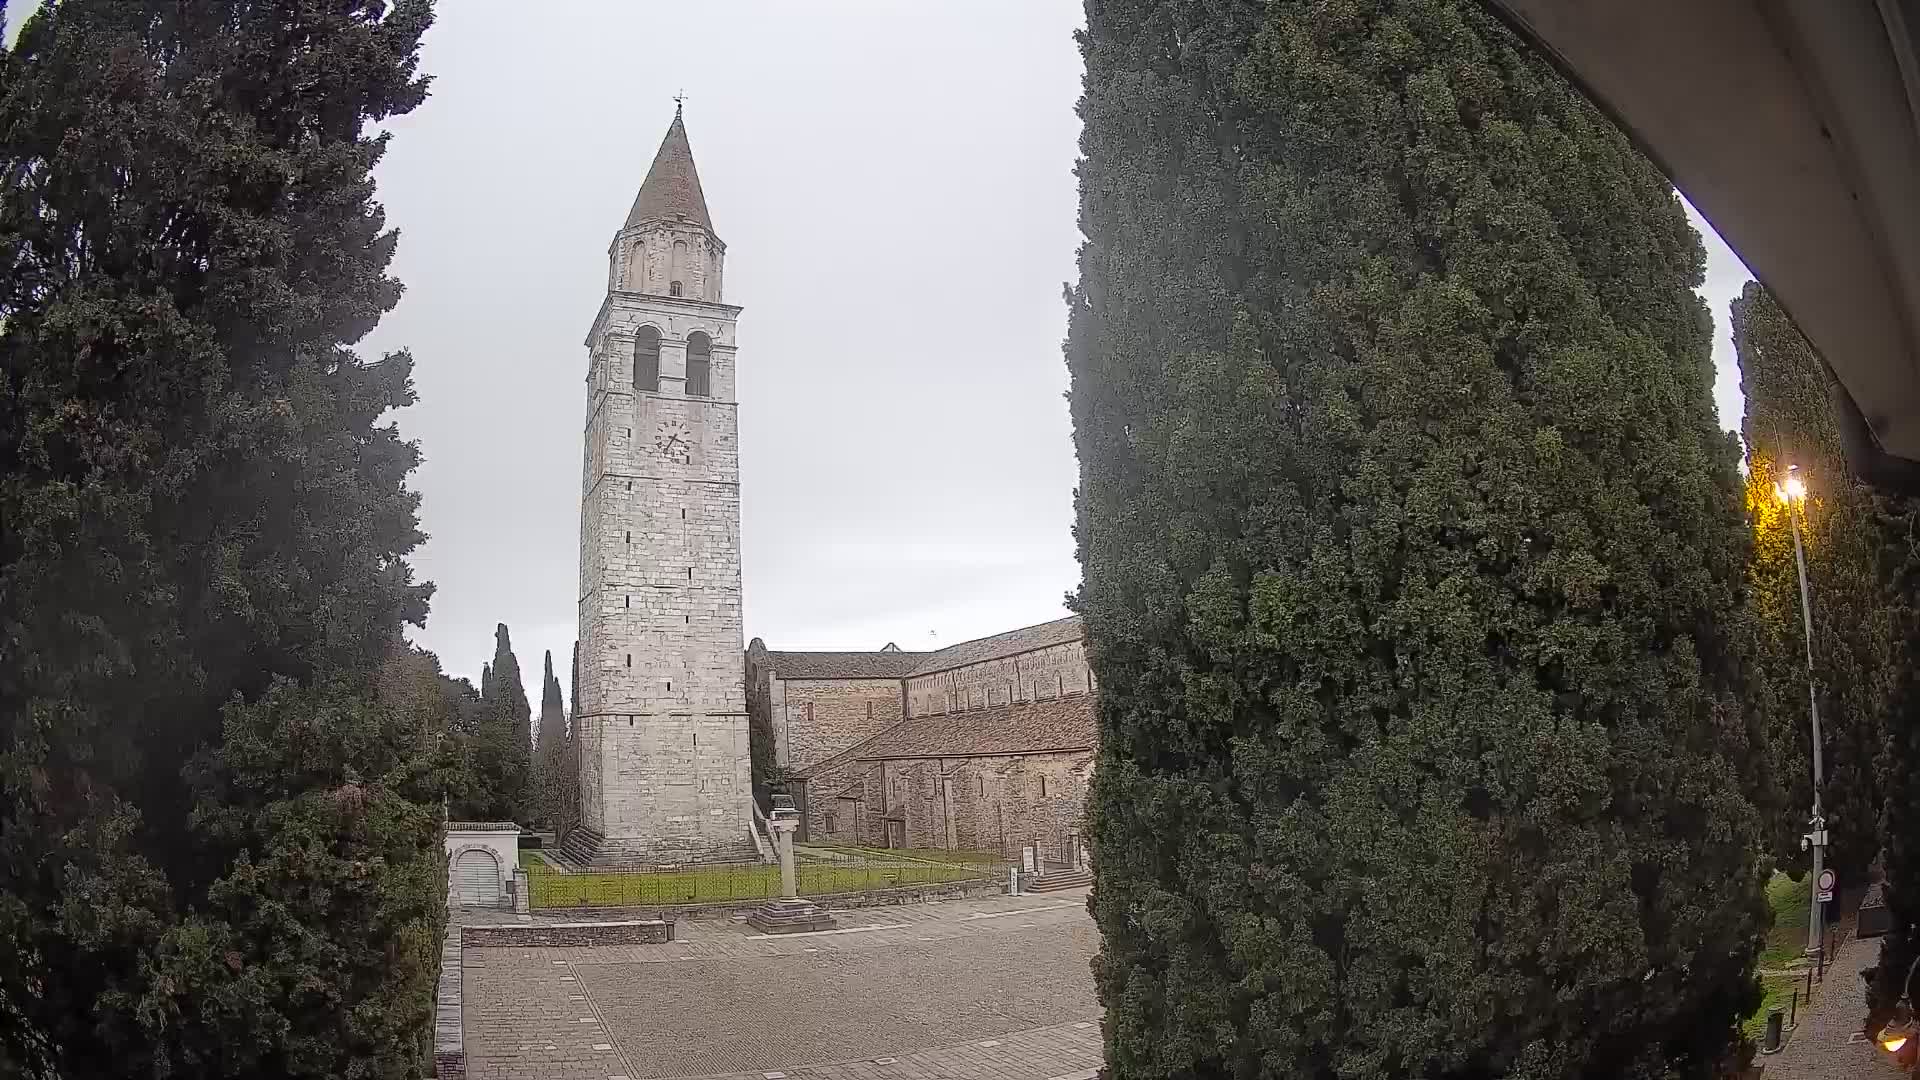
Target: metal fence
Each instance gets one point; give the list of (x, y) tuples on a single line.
[(710, 884)]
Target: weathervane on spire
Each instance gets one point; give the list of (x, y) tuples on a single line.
[(678, 99)]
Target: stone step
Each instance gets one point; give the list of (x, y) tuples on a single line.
[(1055, 880)]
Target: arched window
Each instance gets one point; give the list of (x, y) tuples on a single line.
[(699, 365), (673, 288), (678, 270), (646, 360)]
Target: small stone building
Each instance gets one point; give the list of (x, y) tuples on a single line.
[(986, 745), (481, 856)]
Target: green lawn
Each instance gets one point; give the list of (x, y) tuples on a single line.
[(1786, 945), (1787, 941), (1779, 992), (715, 884)]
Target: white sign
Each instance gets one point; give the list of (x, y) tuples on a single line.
[(1823, 891)]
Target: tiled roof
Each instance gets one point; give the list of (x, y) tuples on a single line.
[(672, 187), (843, 665), (1024, 727), (1025, 639)]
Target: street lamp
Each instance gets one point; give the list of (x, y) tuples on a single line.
[(1896, 1037), (1793, 492)]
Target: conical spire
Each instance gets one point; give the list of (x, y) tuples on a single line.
[(672, 187)]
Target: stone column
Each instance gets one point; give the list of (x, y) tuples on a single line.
[(791, 913), (783, 830)]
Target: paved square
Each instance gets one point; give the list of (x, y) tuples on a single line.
[(997, 987)]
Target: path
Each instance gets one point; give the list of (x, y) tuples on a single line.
[(1828, 1044)]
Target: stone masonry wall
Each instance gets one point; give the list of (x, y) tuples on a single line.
[(1028, 676), (974, 804), (814, 719), (645, 259), (830, 819), (623, 932), (665, 748)]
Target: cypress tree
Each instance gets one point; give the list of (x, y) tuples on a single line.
[(1413, 559), (549, 749), (219, 849), (1888, 980), (570, 755), (1790, 421), (502, 751)]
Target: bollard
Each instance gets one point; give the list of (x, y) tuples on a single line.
[(1770, 1043), (1793, 1017)]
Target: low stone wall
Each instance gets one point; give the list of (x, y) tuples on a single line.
[(620, 932), (449, 1040)]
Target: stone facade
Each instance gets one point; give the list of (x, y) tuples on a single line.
[(1047, 672), (986, 745), (498, 840), (996, 803), (821, 717), (662, 718)]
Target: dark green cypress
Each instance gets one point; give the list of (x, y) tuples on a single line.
[(1413, 559), (570, 754), (207, 806), (500, 753), (1900, 774), (549, 749), (1790, 421)]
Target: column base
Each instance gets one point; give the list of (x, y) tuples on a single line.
[(790, 915)]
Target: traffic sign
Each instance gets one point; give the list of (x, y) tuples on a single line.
[(1823, 889)]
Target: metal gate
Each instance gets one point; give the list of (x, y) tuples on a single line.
[(476, 879)]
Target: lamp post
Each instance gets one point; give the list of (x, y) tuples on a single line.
[(1793, 492)]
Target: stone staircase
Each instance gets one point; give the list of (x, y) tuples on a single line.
[(1055, 879)]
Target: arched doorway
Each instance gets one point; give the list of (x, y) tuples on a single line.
[(476, 879)]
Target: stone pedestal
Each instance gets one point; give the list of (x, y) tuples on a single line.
[(792, 913)]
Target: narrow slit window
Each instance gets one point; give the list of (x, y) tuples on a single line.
[(629, 659), (1043, 787)]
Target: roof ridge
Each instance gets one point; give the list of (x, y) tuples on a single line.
[(933, 666)]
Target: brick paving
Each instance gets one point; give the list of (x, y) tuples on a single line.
[(1827, 1044), (996, 988)]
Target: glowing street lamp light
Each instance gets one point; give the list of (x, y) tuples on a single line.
[(1794, 489), (1897, 1037), (1793, 492)]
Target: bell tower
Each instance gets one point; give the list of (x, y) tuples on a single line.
[(662, 713)]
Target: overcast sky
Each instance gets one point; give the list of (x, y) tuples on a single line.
[(894, 184)]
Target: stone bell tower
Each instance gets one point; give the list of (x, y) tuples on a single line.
[(662, 716)]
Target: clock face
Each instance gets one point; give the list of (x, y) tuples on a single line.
[(673, 441)]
